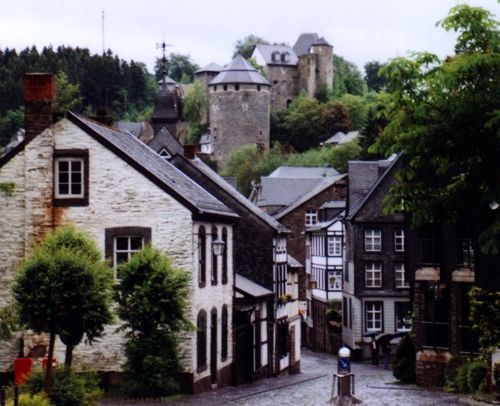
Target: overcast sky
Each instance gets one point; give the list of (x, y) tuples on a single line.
[(359, 30)]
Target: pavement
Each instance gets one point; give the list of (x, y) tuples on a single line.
[(313, 386)]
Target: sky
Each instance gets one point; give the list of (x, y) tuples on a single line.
[(359, 30)]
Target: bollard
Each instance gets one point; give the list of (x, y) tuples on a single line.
[(343, 380)]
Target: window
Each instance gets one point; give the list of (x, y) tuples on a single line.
[(225, 256), (281, 279), (335, 246), (215, 268), (202, 257), (373, 275), (373, 316), (224, 87), (258, 88), (399, 240), (71, 177), (237, 87), (403, 316), (224, 333), (465, 253), (373, 239), (334, 280), (401, 282), (164, 154), (275, 56), (122, 242), (311, 217), (201, 341)]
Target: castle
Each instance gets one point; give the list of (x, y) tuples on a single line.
[(241, 98)]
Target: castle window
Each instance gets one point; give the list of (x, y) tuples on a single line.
[(215, 88), (275, 82), (285, 57), (275, 56), (224, 87), (237, 86)]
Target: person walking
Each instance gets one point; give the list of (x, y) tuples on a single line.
[(374, 349)]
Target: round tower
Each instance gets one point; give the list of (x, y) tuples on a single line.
[(239, 99), (324, 62)]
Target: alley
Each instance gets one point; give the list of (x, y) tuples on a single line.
[(313, 386)]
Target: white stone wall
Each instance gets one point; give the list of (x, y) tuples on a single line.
[(119, 196)]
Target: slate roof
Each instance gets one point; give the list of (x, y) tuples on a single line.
[(333, 204), (322, 41), (283, 191), (164, 104), (303, 172), (384, 167), (341, 138), (165, 139), (211, 67), (179, 161), (133, 128), (154, 167), (267, 52), (239, 71), (362, 176), (324, 184), (293, 263), (250, 287), (304, 42)]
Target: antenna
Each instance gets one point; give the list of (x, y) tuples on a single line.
[(103, 47), (163, 46)]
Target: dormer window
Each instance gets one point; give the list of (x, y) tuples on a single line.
[(285, 57), (164, 154), (275, 56)]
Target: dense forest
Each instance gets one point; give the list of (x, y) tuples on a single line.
[(125, 89)]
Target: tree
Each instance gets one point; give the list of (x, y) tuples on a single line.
[(195, 109), (376, 121), (68, 95), (10, 122), (346, 78), (373, 78), (152, 302), (334, 117), (246, 45), (302, 123), (445, 116), (63, 288), (357, 108)]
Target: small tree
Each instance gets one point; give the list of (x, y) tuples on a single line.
[(152, 300), (63, 288)]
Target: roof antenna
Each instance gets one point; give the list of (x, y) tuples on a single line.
[(163, 46), (102, 20)]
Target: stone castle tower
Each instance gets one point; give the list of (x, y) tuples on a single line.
[(239, 99)]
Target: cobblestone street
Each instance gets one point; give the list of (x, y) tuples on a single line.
[(313, 386)]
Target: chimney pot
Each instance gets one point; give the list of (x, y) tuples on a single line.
[(189, 151), (39, 87)]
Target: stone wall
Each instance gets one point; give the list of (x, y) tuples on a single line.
[(307, 74), (284, 85), (431, 366), (238, 117), (324, 65)]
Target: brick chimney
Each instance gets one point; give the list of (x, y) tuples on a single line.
[(189, 151), (39, 93)]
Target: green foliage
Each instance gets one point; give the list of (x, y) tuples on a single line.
[(476, 376), (245, 46), (346, 78), (10, 122), (7, 188), (68, 95), (195, 104), (375, 80), (180, 68), (485, 317), (9, 321), (257, 66), (461, 380), (357, 109), (25, 399), (376, 121), (445, 116), (152, 302), (451, 371), (404, 365), (496, 375), (333, 318), (322, 93)]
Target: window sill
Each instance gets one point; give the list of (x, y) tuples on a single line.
[(65, 202)]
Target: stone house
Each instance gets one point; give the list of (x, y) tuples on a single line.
[(261, 320), (376, 293), (123, 195)]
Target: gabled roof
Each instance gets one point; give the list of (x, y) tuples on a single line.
[(165, 139), (239, 71), (154, 167), (267, 52), (249, 287), (325, 184), (341, 138), (293, 263), (304, 42), (303, 172), (385, 167), (205, 170), (211, 67), (283, 191), (325, 224)]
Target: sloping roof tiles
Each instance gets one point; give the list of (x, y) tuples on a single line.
[(165, 139), (249, 287), (267, 52), (211, 67), (303, 172), (239, 71), (304, 42)]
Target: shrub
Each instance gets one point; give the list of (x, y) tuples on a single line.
[(405, 362), (26, 399), (476, 375), (462, 381), (452, 369)]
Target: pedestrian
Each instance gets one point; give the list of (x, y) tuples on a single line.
[(386, 349), (374, 349)]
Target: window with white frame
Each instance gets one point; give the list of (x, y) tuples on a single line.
[(399, 240), (311, 217), (400, 279), (403, 316), (373, 239), (124, 248), (373, 275), (334, 246), (69, 178), (373, 316), (334, 280)]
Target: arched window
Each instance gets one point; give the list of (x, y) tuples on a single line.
[(202, 257), (224, 333), (215, 268), (201, 341), (225, 256)]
